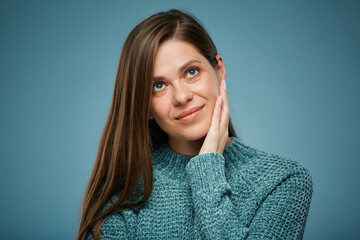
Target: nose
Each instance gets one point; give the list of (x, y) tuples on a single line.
[(181, 94)]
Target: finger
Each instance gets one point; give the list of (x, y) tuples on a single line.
[(225, 113), (215, 121)]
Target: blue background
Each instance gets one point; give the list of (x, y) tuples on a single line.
[(293, 82)]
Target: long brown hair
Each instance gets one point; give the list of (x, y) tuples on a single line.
[(124, 155)]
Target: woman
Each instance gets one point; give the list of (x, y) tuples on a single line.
[(169, 163)]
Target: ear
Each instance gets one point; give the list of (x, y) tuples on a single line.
[(221, 70)]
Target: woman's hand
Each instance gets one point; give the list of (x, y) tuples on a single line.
[(217, 136)]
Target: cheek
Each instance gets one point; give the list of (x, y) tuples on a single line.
[(159, 108), (209, 87)]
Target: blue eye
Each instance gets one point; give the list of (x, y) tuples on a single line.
[(158, 86), (192, 72)]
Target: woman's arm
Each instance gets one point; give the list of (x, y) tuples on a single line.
[(215, 215)]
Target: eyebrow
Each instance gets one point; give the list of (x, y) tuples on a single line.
[(181, 69)]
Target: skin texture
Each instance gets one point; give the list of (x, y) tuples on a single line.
[(184, 79)]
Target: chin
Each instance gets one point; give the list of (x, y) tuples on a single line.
[(195, 134)]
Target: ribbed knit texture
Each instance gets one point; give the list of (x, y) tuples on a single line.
[(243, 194)]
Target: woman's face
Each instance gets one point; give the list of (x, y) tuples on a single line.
[(185, 88)]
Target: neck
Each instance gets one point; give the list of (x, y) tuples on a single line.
[(186, 147)]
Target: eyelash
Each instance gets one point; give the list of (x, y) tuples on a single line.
[(186, 72)]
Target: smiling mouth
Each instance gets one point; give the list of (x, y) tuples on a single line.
[(189, 115)]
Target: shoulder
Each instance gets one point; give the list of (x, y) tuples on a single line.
[(262, 169)]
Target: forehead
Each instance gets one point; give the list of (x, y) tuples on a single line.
[(172, 54)]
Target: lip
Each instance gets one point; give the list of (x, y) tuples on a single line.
[(190, 114)]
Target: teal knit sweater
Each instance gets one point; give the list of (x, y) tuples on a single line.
[(243, 194)]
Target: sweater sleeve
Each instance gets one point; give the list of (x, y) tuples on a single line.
[(281, 215), (215, 214)]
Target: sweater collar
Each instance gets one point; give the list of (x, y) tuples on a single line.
[(164, 157)]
